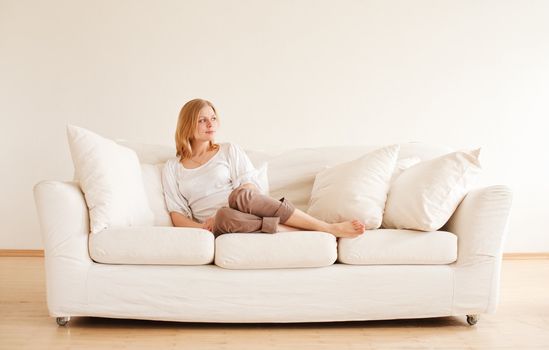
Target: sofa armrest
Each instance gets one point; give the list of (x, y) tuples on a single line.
[(480, 222), (63, 216), (64, 222)]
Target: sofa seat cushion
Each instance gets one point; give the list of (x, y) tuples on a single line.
[(404, 247), (278, 250), (152, 245)]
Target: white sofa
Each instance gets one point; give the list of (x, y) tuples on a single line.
[(184, 274)]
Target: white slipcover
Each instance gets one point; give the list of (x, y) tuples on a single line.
[(78, 286)]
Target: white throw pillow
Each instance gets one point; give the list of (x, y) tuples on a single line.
[(110, 177), (425, 195), (403, 164), (355, 190)]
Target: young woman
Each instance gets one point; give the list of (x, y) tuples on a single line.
[(216, 187)]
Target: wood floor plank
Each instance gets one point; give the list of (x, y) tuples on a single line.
[(521, 322)]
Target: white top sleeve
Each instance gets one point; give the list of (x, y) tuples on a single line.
[(175, 202), (242, 169)]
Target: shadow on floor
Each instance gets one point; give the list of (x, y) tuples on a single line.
[(99, 322)]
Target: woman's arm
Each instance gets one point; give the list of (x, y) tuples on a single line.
[(243, 172), (180, 220)]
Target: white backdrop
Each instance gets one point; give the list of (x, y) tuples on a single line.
[(282, 74)]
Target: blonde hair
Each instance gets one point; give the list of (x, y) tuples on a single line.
[(186, 126)]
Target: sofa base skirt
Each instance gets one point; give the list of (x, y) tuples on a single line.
[(211, 294)]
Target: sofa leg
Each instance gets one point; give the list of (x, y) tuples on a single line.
[(62, 321), (472, 319)]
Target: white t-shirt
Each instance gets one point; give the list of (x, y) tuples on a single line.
[(198, 193)]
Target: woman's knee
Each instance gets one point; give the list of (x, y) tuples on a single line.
[(240, 198)]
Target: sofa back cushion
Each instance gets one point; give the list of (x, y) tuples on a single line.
[(152, 181), (291, 173)]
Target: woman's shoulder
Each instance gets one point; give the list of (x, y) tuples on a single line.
[(231, 148), (171, 164)]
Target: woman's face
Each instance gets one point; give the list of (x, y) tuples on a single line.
[(207, 125)]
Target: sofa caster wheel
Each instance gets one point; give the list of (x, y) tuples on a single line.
[(62, 321), (472, 319)]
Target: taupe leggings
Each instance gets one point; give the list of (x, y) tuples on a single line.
[(251, 211)]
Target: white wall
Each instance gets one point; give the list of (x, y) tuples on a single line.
[(296, 73)]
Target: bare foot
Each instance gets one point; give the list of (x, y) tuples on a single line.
[(347, 229)]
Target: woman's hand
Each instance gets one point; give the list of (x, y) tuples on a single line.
[(209, 223)]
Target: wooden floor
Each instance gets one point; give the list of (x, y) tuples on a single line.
[(522, 322)]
